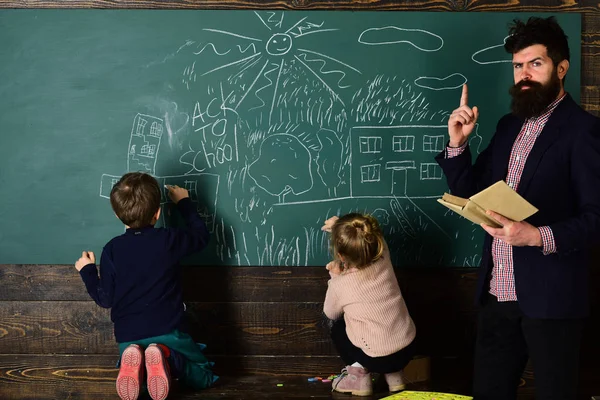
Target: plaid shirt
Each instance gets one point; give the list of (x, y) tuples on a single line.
[(502, 284)]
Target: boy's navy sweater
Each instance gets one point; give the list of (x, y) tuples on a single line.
[(140, 276)]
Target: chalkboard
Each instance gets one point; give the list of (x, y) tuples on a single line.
[(273, 120)]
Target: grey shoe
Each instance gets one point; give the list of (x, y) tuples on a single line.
[(396, 381)]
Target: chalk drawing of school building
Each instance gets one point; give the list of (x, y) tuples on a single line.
[(142, 154), (144, 143), (396, 160)]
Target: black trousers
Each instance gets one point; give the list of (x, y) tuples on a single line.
[(506, 339), (351, 354)]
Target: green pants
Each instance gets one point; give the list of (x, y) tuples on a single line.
[(197, 372)]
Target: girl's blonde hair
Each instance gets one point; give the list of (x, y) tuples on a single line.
[(358, 239)]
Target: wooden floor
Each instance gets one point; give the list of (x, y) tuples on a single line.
[(246, 387)]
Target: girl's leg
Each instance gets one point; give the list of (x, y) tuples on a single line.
[(354, 380), (347, 351)]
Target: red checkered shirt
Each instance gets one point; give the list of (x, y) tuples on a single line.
[(502, 284)]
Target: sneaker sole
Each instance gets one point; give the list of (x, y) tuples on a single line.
[(158, 379), (128, 381), (397, 388), (356, 392)]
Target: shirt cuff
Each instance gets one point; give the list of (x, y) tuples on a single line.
[(456, 151), (548, 243)]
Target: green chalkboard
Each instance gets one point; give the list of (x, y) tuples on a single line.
[(273, 120)]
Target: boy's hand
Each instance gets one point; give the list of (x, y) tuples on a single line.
[(328, 224), (87, 257), (177, 193)]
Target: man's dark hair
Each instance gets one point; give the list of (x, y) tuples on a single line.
[(135, 198), (544, 31)]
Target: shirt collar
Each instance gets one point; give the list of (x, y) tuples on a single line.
[(139, 231)]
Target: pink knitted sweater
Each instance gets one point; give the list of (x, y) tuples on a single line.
[(377, 320)]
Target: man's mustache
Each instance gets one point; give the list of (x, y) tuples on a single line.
[(531, 84)]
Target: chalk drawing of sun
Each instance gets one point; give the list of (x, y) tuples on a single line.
[(275, 59)]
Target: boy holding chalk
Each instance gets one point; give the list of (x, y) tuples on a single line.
[(140, 281)]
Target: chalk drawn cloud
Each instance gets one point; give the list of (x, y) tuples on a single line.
[(418, 38), (492, 55), (450, 82)]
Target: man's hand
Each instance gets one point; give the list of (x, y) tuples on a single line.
[(328, 224), (87, 257), (462, 120), (514, 233), (334, 268), (177, 193)]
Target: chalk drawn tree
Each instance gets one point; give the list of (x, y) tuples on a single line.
[(329, 160), (283, 166)]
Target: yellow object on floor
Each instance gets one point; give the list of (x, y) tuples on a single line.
[(412, 395)]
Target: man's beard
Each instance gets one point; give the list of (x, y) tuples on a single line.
[(532, 102)]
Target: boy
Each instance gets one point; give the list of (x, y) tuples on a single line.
[(140, 282)]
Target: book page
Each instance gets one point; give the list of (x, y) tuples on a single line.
[(472, 212)]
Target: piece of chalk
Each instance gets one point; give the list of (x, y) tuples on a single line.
[(280, 384), (326, 380)]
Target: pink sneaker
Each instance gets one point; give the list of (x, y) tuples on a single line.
[(396, 381), (157, 368), (130, 373), (353, 380)]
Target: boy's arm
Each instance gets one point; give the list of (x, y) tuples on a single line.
[(100, 288), (195, 236)]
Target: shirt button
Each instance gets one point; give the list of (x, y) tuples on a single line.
[(500, 266), (517, 157)]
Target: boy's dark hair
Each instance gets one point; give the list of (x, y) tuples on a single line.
[(544, 31), (135, 198)]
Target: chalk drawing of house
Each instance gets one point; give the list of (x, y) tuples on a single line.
[(144, 143), (396, 160)]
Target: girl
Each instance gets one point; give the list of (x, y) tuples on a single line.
[(372, 329)]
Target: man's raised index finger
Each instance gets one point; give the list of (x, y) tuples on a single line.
[(464, 98)]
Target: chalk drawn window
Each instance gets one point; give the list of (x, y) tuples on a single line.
[(433, 143), (370, 144), (191, 188), (140, 126), (370, 173), (155, 129), (145, 150), (430, 171), (151, 150), (403, 143)]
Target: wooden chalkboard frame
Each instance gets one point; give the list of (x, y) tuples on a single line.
[(590, 82)]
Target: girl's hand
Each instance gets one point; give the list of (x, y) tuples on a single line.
[(334, 268), (328, 224)]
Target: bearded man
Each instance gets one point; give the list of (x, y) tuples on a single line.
[(533, 280)]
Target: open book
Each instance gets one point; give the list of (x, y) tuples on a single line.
[(415, 395), (499, 198)]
